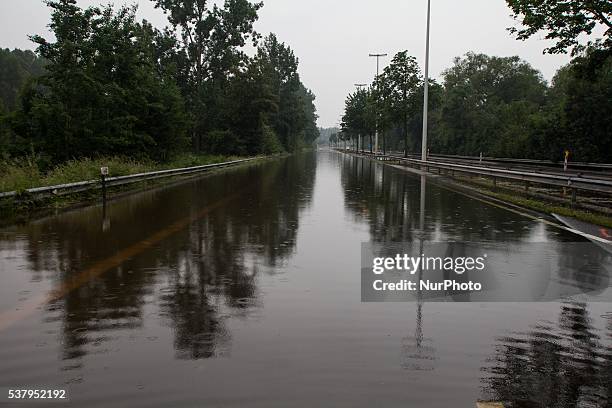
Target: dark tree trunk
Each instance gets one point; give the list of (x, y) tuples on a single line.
[(384, 136), (405, 134)]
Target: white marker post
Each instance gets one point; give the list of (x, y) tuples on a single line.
[(103, 175)]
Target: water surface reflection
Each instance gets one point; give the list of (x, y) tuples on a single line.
[(389, 200), (562, 365), (243, 288), (196, 275)]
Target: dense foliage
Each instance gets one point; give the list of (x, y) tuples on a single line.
[(489, 105), (112, 85), (563, 21), (502, 106), (16, 67), (492, 105), (579, 110)]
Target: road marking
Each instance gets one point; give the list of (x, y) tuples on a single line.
[(489, 405), (10, 317)]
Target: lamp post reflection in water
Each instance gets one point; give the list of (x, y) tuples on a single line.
[(414, 356), (419, 328)]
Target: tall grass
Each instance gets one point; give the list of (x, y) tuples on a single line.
[(18, 175)]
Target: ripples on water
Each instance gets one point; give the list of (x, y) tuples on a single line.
[(564, 364), (257, 301)]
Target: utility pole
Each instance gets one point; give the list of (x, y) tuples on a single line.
[(426, 85), (359, 87), (377, 72)]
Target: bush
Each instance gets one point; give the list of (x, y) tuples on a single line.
[(269, 141), (18, 176), (222, 142)]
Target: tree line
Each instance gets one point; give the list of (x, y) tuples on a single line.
[(499, 106), (109, 84)]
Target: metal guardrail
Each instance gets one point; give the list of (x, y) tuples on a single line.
[(595, 170), (572, 182), (530, 162), (117, 181)]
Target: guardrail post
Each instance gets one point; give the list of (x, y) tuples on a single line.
[(574, 198), (527, 186), (494, 183)]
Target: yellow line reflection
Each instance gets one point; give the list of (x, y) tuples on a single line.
[(10, 317)]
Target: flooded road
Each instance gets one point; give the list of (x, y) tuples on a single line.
[(242, 288)]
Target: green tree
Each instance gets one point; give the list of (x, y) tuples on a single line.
[(310, 132), (488, 106), (4, 133), (104, 92), (209, 52), (579, 108), (294, 120), (400, 82), (333, 139), (415, 120), (266, 107), (114, 86), (564, 21), (359, 117), (16, 67), (249, 111)]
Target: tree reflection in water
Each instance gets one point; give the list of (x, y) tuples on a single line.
[(388, 200), (397, 208), (563, 365), (194, 278)]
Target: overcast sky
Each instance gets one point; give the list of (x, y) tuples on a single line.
[(332, 38)]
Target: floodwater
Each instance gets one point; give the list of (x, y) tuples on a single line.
[(242, 288)]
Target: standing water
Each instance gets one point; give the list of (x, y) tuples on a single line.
[(242, 288)]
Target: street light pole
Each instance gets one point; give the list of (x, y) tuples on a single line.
[(377, 71), (426, 85)]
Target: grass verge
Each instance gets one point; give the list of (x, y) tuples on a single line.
[(24, 174), (538, 205), (549, 208), (14, 177)]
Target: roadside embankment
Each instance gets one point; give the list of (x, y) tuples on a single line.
[(25, 173), (518, 188), (79, 182)]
